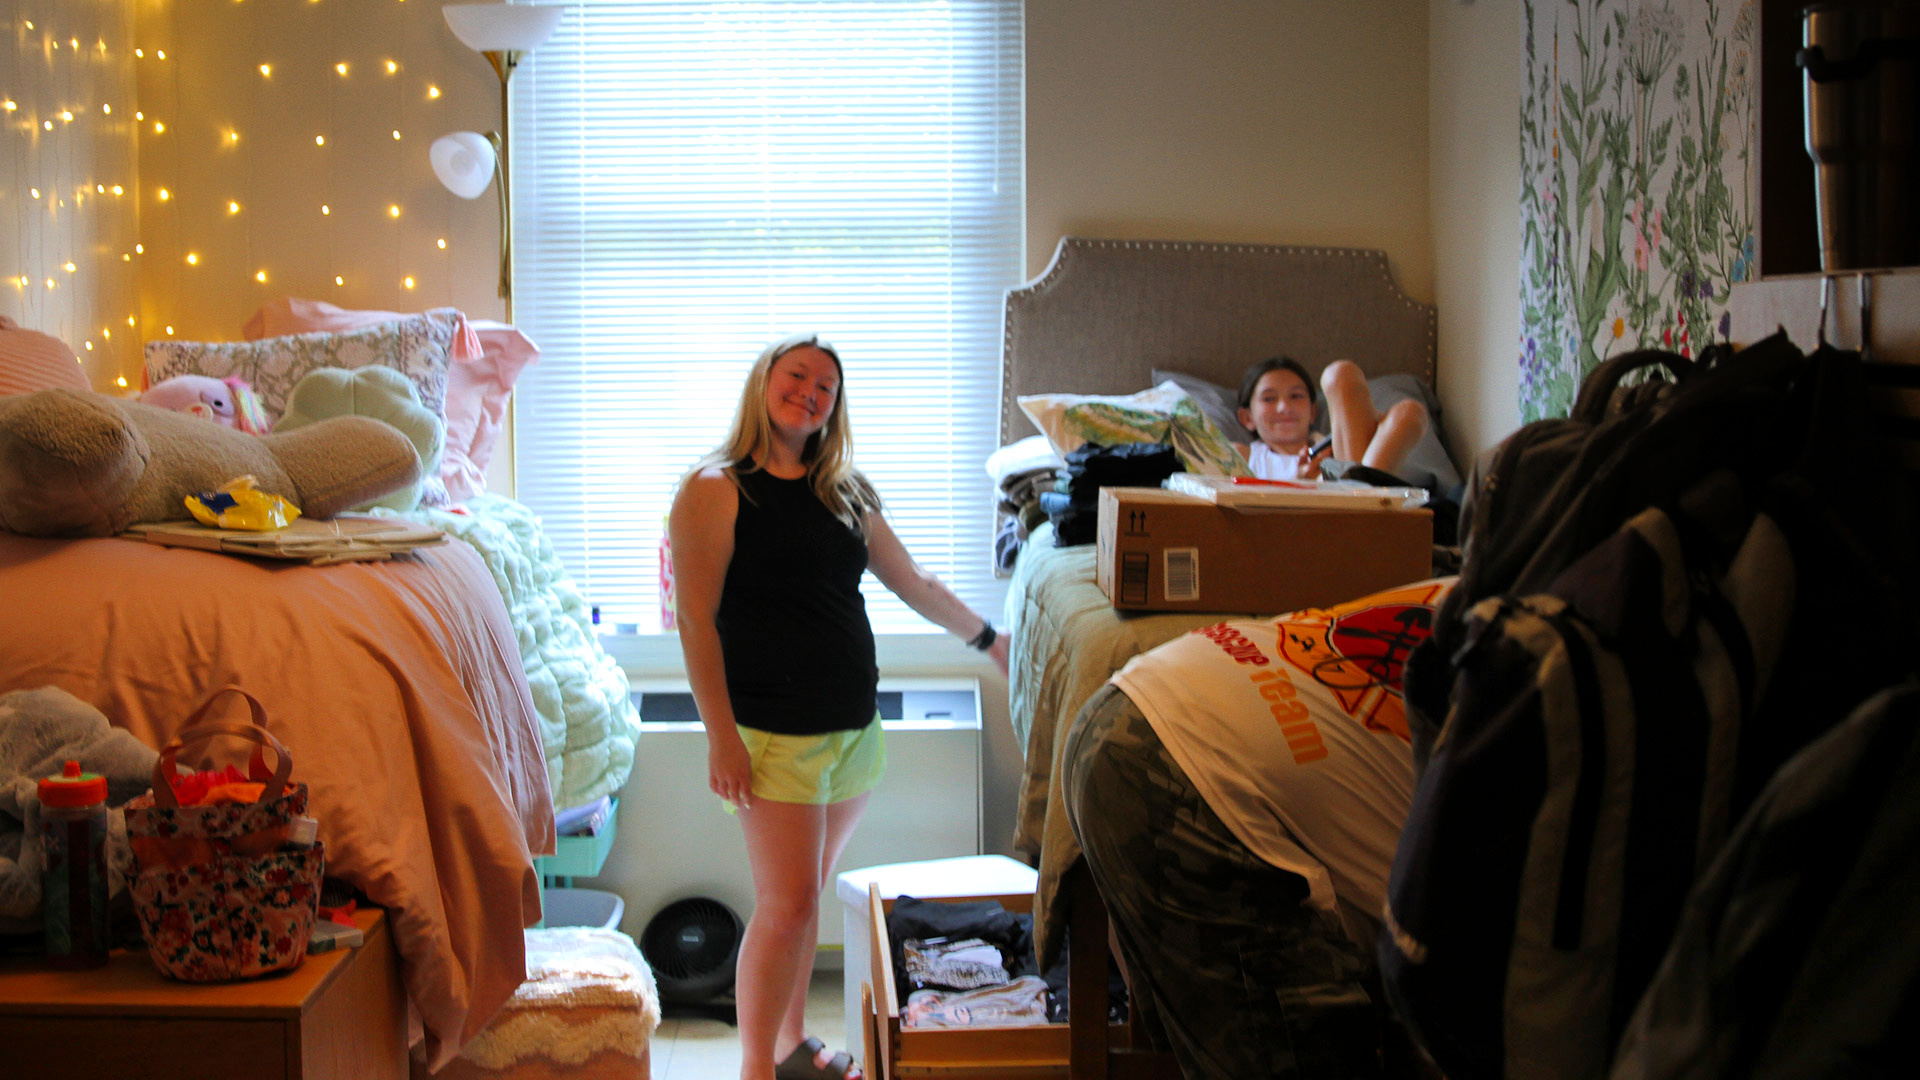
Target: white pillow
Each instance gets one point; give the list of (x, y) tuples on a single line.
[(1164, 414), (1028, 455)]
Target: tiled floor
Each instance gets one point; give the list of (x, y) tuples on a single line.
[(698, 1049)]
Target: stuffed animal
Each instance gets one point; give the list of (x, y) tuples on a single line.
[(77, 463), (229, 402)]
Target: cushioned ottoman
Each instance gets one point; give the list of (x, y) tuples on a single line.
[(588, 1009)]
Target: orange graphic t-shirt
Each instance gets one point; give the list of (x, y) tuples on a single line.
[(1294, 730)]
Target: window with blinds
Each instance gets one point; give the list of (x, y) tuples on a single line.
[(692, 181)]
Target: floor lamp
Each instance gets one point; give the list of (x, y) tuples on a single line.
[(467, 161)]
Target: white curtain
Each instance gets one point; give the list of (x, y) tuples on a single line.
[(693, 180)]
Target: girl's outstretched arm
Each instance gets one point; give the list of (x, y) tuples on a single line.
[(700, 531), (887, 557)]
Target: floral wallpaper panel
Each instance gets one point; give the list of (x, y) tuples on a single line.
[(1638, 196)]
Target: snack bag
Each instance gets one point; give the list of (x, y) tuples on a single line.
[(240, 504)]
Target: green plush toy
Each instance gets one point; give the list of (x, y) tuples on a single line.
[(77, 463), (382, 394)]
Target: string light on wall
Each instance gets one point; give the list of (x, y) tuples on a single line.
[(184, 189)]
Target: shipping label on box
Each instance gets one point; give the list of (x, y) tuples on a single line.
[(1159, 551)]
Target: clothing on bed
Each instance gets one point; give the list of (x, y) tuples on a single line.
[(1160, 855), (1295, 732), (1075, 508), (397, 687), (1021, 472)]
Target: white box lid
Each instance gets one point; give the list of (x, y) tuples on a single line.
[(966, 875)]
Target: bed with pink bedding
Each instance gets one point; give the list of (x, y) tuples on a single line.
[(398, 688)]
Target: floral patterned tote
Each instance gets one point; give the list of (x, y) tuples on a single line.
[(220, 892)]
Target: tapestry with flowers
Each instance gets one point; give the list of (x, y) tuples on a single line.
[(1638, 200)]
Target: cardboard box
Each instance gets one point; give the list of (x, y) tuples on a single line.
[(1160, 551)]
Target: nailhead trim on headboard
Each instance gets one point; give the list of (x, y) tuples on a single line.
[(1068, 247)]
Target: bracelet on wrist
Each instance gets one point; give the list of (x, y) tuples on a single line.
[(984, 639)]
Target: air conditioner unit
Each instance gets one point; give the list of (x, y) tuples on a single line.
[(676, 840)]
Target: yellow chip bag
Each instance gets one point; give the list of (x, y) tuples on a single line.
[(240, 504)]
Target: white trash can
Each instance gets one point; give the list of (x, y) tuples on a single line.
[(581, 907)]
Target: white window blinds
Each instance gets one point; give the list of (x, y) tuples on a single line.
[(693, 180)]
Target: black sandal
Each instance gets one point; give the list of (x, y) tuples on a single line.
[(800, 1064)]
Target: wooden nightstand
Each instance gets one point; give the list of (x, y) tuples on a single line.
[(341, 1015)]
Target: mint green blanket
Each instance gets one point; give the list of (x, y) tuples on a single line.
[(587, 719)]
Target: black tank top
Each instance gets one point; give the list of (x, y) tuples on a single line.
[(793, 625)]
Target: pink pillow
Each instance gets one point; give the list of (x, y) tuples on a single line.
[(477, 395), (487, 358), (30, 360)]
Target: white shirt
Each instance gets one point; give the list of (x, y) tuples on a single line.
[(1269, 464), (1294, 731)]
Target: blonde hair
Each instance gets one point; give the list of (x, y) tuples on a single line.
[(828, 454)]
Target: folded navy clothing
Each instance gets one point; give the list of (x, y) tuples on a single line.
[(1075, 508)]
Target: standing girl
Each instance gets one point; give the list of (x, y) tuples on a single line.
[(770, 534)]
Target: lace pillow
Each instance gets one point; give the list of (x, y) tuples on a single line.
[(417, 346), (1164, 414)]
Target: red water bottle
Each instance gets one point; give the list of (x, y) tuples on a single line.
[(73, 881)]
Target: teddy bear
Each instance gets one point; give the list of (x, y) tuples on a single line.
[(229, 402), (78, 463)]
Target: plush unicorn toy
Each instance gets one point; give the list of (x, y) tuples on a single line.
[(228, 402)]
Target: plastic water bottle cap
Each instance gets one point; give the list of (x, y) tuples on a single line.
[(73, 788)]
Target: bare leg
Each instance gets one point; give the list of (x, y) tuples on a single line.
[(784, 846), (841, 819), (1400, 427), (1349, 409)]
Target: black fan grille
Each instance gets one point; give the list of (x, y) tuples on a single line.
[(691, 946)]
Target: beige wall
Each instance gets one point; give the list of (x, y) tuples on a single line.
[(210, 89), (1270, 121), (57, 139), (1475, 171)]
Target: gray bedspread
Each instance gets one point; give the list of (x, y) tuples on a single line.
[(1067, 641)]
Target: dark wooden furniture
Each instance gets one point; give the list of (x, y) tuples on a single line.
[(340, 1015)]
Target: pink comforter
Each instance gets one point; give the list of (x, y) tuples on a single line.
[(398, 689)]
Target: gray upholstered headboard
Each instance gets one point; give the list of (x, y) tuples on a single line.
[(1105, 313)]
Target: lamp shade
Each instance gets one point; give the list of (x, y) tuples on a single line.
[(463, 161), (502, 27)]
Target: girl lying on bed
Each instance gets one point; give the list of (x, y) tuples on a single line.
[(1277, 405)]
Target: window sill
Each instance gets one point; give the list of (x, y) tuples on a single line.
[(657, 656)]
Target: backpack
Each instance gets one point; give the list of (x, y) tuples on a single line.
[(1661, 603), (1798, 954), (1587, 768), (1557, 487)]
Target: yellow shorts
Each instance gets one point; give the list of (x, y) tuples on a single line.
[(816, 769)]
